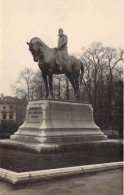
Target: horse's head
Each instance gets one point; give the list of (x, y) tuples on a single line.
[(34, 48)]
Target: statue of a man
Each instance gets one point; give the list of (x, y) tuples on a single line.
[(62, 56)]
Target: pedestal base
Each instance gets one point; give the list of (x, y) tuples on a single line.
[(55, 148), (52, 124)]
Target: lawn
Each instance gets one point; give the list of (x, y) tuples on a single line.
[(21, 161)]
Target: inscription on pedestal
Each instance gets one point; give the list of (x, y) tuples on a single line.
[(34, 115)]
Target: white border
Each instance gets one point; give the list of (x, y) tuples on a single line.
[(23, 177)]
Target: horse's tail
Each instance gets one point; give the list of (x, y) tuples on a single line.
[(82, 72)]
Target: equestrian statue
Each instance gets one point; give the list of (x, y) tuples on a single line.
[(56, 61)]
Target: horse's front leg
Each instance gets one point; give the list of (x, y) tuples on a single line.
[(77, 86), (71, 79), (51, 84), (46, 84)]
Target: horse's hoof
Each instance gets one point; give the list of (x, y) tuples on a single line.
[(77, 97), (52, 96), (47, 96)]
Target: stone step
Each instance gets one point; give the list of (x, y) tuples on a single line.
[(58, 139)]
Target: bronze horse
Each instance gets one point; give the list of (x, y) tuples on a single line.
[(45, 57)]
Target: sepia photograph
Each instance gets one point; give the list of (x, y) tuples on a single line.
[(61, 97)]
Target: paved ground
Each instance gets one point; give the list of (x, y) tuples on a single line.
[(102, 183)]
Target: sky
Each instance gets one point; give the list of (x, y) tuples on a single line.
[(83, 21)]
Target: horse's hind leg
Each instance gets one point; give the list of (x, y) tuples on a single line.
[(77, 86), (46, 84), (51, 84), (71, 79)]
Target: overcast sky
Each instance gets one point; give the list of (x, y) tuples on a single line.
[(84, 21)]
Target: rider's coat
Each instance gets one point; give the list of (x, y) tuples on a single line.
[(62, 56)]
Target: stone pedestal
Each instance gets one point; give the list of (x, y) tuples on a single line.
[(49, 121), (53, 123)]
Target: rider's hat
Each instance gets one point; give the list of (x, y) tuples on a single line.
[(60, 32)]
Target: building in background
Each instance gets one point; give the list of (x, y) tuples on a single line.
[(12, 112), (7, 112), (1, 96)]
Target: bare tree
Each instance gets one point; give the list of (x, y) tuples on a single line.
[(113, 57), (100, 63), (94, 61), (38, 86), (24, 84)]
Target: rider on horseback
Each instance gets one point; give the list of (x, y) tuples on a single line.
[(62, 56), (45, 56)]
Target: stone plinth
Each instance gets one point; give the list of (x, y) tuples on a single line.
[(56, 125), (50, 121)]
